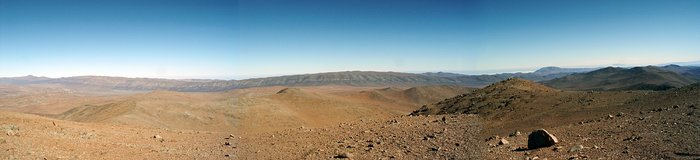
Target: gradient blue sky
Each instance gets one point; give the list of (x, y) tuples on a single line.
[(252, 38)]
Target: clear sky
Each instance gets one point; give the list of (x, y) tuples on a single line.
[(252, 38)]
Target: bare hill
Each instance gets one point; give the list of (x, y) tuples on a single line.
[(432, 94), (516, 101), (607, 124), (160, 109), (257, 109), (498, 96)]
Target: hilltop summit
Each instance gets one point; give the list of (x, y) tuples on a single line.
[(501, 95)]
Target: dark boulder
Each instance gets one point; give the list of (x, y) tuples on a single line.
[(540, 138)]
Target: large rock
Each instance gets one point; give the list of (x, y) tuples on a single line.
[(540, 138)]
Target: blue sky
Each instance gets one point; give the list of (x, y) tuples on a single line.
[(253, 38)]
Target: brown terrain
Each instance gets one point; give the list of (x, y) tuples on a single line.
[(51, 121)]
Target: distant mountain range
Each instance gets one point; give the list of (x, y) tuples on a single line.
[(565, 78), (636, 78)]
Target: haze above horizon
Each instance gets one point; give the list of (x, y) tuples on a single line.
[(226, 39)]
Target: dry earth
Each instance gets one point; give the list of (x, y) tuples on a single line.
[(80, 125), (329, 122)]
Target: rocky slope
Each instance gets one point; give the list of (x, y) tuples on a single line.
[(589, 125), (501, 95)]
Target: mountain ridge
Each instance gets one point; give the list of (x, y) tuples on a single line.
[(616, 78), (349, 78)]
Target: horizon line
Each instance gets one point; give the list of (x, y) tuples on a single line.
[(468, 73)]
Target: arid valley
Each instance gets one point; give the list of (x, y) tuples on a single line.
[(358, 115)]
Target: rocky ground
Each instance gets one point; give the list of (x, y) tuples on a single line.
[(664, 133), (405, 137), (667, 132), (27, 136)]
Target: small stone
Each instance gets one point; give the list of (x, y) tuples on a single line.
[(620, 114), (343, 155), (12, 133), (159, 138), (516, 133), (227, 143), (576, 148), (503, 142), (633, 138), (434, 148), (557, 148), (610, 116), (540, 138), (493, 137)]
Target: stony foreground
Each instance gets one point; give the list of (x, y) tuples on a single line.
[(662, 133), (406, 137)]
